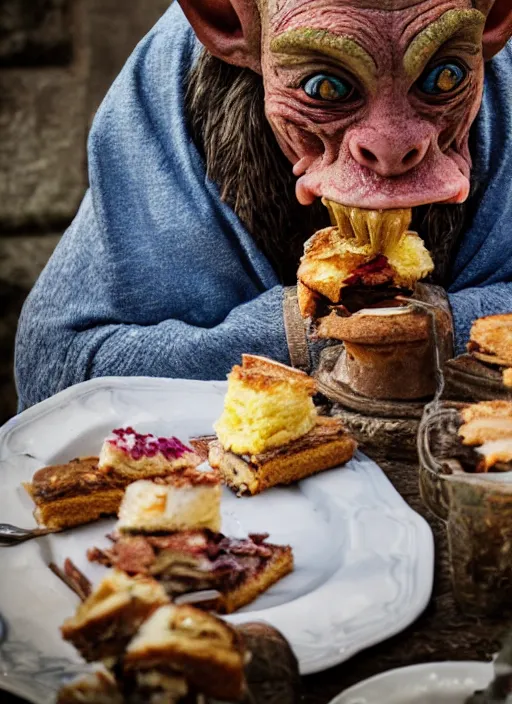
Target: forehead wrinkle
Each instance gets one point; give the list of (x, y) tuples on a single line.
[(431, 39), (295, 42)]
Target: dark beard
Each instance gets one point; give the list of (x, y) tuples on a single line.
[(226, 114)]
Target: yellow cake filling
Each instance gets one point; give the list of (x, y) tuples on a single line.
[(262, 412), (368, 233)]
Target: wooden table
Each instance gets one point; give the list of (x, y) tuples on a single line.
[(441, 633)]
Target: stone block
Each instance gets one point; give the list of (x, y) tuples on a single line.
[(35, 32), (21, 261), (42, 147)]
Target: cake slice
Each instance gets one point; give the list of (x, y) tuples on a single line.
[(270, 431), (181, 639), (71, 494), (187, 562), (130, 455), (185, 500), (326, 446), (106, 621), (267, 405)]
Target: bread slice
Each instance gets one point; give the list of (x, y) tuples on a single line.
[(491, 339), (182, 639), (73, 494), (106, 621), (326, 446)]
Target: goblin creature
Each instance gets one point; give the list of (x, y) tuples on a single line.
[(211, 153)]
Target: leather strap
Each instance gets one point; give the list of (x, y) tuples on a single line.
[(295, 328)]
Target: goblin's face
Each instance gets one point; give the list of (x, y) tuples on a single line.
[(373, 106)]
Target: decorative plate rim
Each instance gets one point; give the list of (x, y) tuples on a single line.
[(443, 667)]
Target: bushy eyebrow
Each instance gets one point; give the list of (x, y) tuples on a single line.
[(468, 23), (291, 46)]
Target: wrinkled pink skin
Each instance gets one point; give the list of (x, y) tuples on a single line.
[(395, 148)]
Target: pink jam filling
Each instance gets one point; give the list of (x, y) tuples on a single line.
[(139, 446)]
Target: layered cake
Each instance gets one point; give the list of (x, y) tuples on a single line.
[(239, 569), (71, 494), (130, 455), (112, 614), (270, 432), (183, 640), (185, 500)]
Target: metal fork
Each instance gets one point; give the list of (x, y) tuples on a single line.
[(12, 535)]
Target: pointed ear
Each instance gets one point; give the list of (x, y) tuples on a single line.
[(229, 29), (498, 28)]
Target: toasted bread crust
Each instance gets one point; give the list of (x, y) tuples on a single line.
[(325, 447), (325, 265), (491, 339), (263, 373)]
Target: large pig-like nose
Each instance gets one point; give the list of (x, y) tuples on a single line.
[(388, 155)]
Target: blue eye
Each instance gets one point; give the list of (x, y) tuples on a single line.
[(443, 79), (329, 88)]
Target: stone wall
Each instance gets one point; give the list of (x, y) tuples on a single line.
[(57, 60)]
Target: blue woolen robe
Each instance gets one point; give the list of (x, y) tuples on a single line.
[(156, 276)]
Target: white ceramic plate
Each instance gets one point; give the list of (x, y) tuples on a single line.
[(364, 559), (433, 683)]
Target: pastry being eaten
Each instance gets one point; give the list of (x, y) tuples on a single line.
[(491, 340), (107, 620), (131, 456), (183, 640), (239, 569), (487, 427), (270, 432), (186, 500), (71, 494), (366, 258)]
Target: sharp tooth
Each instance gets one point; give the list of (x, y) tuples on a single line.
[(358, 222), (374, 224)]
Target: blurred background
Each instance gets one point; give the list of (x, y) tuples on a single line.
[(57, 61)]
